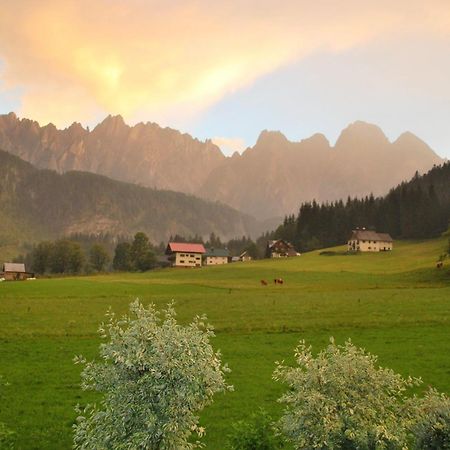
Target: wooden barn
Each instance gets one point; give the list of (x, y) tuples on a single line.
[(280, 249), (15, 272), (245, 256)]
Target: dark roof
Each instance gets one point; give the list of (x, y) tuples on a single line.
[(217, 252), (14, 267), (186, 247), (369, 235), (277, 242)]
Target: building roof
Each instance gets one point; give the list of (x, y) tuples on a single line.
[(277, 242), (222, 252), (14, 267), (188, 247), (369, 235)]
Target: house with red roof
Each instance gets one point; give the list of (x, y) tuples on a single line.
[(185, 254)]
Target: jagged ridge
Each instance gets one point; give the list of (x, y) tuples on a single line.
[(270, 179)]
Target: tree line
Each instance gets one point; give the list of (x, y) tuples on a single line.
[(417, 209), (65, 256), (81, 253)]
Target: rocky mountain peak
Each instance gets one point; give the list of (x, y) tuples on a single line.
[(269, 138), (409, 138), (360, 132), (318, 140), (111, 124)]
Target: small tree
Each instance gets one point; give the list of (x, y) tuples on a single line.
[(141, 253), (341, 400), (98, 257), (40, 257), (156, 375), (122, 257), (66, 257)]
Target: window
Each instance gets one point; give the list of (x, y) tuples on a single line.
[(192, 256), (182, 261)]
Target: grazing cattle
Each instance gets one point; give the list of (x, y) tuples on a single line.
[(278, 281), (439, 265), (264, 282)]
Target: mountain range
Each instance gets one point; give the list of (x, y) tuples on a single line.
[(268, 180), (40, 204)]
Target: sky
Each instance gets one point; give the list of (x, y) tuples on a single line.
[(228, 70)]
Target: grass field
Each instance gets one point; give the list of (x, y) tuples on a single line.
[(396, 305)]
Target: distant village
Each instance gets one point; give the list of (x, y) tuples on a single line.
[(192, 254), (186, 254)]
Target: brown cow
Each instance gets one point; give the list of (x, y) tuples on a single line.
[(264, 282)]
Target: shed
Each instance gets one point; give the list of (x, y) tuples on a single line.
[(15, 272)]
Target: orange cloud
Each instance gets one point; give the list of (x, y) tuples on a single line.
[(76, 60)]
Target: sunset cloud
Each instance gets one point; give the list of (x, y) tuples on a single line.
[(78, 60)]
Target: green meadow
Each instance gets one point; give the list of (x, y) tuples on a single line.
[(395, 305)]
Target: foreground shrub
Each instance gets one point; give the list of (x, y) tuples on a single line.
[(257, 433), (155, 376), (341, 400), (432, 429)]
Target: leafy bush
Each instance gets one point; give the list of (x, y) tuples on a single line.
[(258, 433), (432, 430), (341, 400), (155, 376)]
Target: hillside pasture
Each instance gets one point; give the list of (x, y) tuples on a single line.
[(396, 305)]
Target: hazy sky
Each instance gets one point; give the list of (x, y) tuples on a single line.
[(227, 70)]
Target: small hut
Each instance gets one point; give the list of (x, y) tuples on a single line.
[(15, 272)]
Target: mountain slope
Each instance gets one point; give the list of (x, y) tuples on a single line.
[(267, 180), (276, 175), (144, 154), (42, 203)]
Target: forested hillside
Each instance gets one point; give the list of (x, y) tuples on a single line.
[(37, 204), (419, 208)]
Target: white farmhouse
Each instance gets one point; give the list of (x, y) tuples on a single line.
[(185, 254), (369, 241), (215, 256)]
